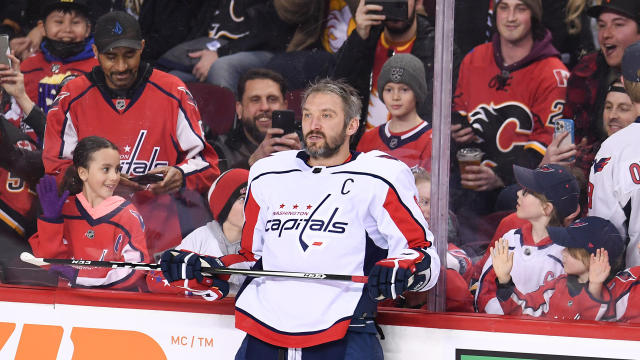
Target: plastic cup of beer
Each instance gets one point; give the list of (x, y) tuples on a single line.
[(469, 157)]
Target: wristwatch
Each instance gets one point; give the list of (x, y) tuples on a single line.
[(214, 45)]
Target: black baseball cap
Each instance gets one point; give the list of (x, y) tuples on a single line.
[(65, 5), (590, 233), (631, 63), (628, 8), (553, 181), (117, 29)]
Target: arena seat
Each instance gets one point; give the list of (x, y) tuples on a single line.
[(217, 106)]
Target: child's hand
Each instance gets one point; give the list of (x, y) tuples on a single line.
[(48, 194), (599, 267), (502, 260)]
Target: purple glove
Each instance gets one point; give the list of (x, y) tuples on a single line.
[(63, 271), (48, 193)]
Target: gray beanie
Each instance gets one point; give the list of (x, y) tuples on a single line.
[(406, 69)]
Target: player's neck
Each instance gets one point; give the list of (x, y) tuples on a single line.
[(231, 232), (396, 40), (404, 123), (539, 228), (514, 51)]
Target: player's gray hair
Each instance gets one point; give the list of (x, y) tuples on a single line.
[(351, 103)]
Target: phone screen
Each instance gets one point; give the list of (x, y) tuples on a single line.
[(392, 9), (4, 50), (284, 119)]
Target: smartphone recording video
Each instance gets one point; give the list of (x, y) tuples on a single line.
[(4, 50), (283, 119), (392, 9)]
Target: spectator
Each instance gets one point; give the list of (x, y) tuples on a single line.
[(375, 40), (260, 92), (614, 180), (589, 80), (501, 107), (321, 29), (152, 117), (229, 38), (21, 131), (549, 195), (93, 224), (165, 24), (406, 136), (593, 247), (625, 295), (219, 237), (65, 50)]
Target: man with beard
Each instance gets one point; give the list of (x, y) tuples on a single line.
[(375, 40), (323, 209), (260, 91), (152, 118)]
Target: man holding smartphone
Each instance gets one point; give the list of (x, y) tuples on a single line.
[(260, 93), (378, 35)]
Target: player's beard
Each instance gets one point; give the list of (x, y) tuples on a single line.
[(400, 27), (328, 148)]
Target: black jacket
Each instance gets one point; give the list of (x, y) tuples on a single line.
[(355, 63)]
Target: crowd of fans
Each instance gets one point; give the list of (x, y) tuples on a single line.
[(528, 218)]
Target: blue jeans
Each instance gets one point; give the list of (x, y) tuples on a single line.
[(227, 69)]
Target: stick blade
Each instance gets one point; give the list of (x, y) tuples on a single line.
[(29, 258)]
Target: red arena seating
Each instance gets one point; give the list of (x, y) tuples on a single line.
[(217, 106)]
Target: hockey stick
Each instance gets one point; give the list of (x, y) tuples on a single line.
[(29, 258)]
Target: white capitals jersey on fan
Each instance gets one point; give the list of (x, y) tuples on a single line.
[(339, 220), (614, 186)]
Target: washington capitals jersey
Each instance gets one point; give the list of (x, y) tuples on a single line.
[(338, 219), (561, 298), (533, 265), (614, 186), (512, 119), (159, 126), (412, 147), (114, 231), (625, 295)]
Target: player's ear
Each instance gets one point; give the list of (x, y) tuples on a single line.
[(352, 126)]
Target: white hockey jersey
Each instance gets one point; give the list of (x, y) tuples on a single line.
[(614, 186), (339, 220), (533, 265)]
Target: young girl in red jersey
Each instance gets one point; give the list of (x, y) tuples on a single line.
[(406, 136), (92, 224), (592, 247)]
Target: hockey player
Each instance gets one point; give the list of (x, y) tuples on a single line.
[(406, 136), (508, 95), (219, 237), (93, 224), (361, 218), (549, 195), (65, 49), (152, 118), (614, 180), (592, 247)]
